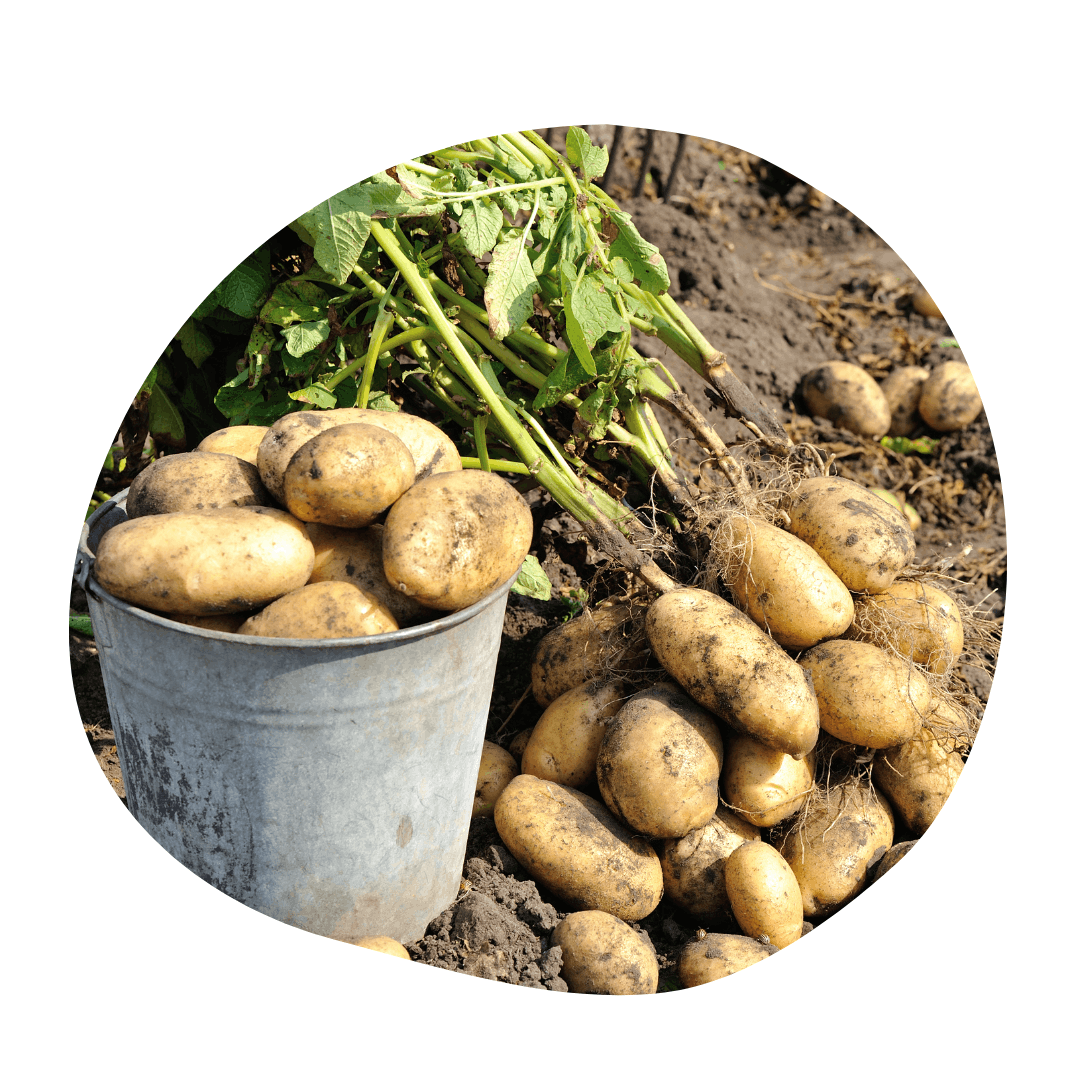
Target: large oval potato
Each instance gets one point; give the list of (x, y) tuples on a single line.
[(497, 769), (865, 695), (329, 609), (765, 896), (567, 737), (205, 562), (950, 399), (455, 537), (848, 396), (864, 540), (347, 476), (659, 763), (902, 388), (240, 440), (573, 845), (198, 480), (731, 667), (716, 956), (917, 777), (763, 785), (786, 587), (602, 955)]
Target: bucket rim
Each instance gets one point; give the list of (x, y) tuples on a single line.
[(372, 641)]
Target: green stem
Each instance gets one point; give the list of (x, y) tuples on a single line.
[(496, 465)]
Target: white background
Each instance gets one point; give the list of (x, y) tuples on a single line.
[(146, 155)]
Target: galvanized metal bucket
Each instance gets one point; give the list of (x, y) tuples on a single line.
[(326, 783)]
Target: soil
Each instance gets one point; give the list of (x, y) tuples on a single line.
[(780, 278)]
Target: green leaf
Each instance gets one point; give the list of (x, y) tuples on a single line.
[(900, 445), (572, 330), (380, 399), (644, 258), (592, 304), (163, 419), (567, 375), (195, 342), (301, 338), (294, 301), (580, 152), (81, 624), (303, 233), (948, 343), (206, 307), (388, 198), (531, 580), (278, 403), (339, 229), (597, 410), (511, 284), (244, 290), (235, 399), (315, 395), (480, 225)]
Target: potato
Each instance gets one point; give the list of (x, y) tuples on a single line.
[(865, 695), (566, 738), (347, 476), (693, 865), (950, 399), (517, 744), (902, 388), (889, 860), (602, 955), (455, 537), (195, 481), (916, 620), (497, 769), (716, 956), (223, 624), (355, 555), (329, 609), (786, 587), (659, 763), (573, 846), (581, 648), (917, 777), (924, 304), (848, 396), (830, 850), (764, 894), (384, 945), (864, 540), (284, 437), (205, 562), (433, 451), (892, 499), (240, 440), (733, 669), (764, 786)]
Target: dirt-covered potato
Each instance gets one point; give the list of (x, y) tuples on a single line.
[(902, 388), (865, 695), (384, 945), (497, 769), (764, 894), (602, 955), (580, 649), (433, 451), (924, 304), (659, 763), (889, 860), (764, 786), (573, 845), (786, 587), (848, 396), (950, 399), (916, 620), (718, 955), (566, 738), (455, 537), (284, 437), (864, 540), (917, 777), (517, 744), (693, 865), (240, 440), (830, 849), (330, 609), (224, 624), (734, 669), (195, 481), (205, 562)]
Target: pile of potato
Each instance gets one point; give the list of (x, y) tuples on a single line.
[(701, 786), (343, 523)]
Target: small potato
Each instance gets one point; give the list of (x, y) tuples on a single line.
[(917, 777), (384, 945), (573, 845), (195, 481), (786, 587), (659, 763), (716, 956), (950, 399), (764, 894), (330, 609), (602, 955), (763, 785), (433, 451), (455, 537), (517, 744), (864, 540), (830, 850), (924, 304), (497, 769), (240, 440), (732, 668), (865, 695), (567, 737), (693, 865), (917, 620), (902, 388), (848, 396), (205, 562)]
